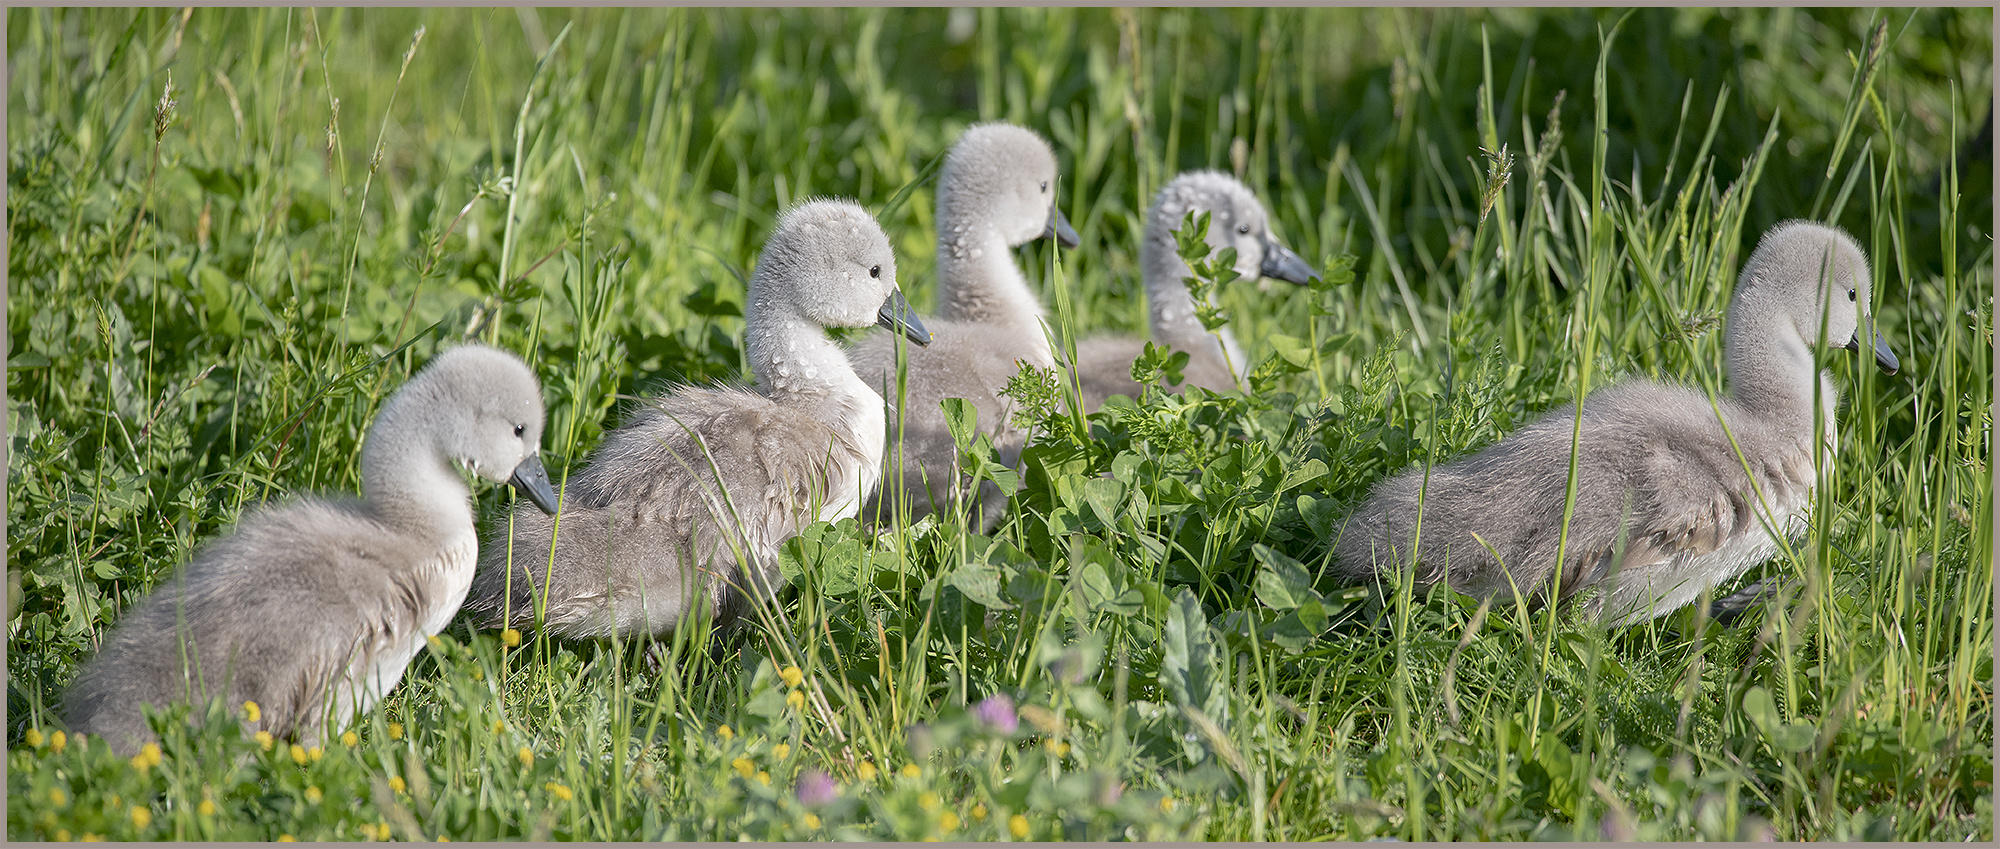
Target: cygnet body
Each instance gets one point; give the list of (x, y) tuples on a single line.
[(1236, 220), (996, 190), (1666, 507), (706, 481), (313, 609)]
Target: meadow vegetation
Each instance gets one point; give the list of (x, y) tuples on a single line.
[(232, 232)]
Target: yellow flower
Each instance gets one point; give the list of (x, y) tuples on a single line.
[(929, 801), (866, 771), (62, 835), (57, 797), (395, 731), (396, 783), (91, 838), (724, 732), (478, 674), (779, 751), (526, 755), (979, 811), (57, 741), (792, 676), (1166, 804), (559, 791), (1017, 825), (264, 739), (434, 642), (744, 767), (764, 778), (148, 757), (286, 838), (313, 795), (207, 808), (499, 726), (796, 700), (948, 823), (510, 638), (812, 821), (141, 817), (33, 737), (912, 771), (443, 839), (381, 831), (314, 753), (252, 712), (349, 738), (298, 754)]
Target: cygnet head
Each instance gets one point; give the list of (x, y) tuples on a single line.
[(483, 408), (1802, 271), (1004, 175), (830, 263), (1236, 220)]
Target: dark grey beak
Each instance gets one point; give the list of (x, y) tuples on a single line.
[(1281, 264), (897, 315), (1059, 228), (1883, 356), (533, 481)]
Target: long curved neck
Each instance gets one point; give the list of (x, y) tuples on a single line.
[(406, 478), (1172, 305), (977, 278), (798, 365), (1772, 372)]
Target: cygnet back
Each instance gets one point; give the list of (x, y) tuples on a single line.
[(685, 506), (313, 609), (1667, 506), (996, 190), (1236, 220)]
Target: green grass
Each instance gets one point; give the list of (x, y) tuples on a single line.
[(208, 302)]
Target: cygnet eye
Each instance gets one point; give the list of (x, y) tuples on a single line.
[(1045, 187), (1850, 296), (1243, 229), (520, 430), (875, 272)]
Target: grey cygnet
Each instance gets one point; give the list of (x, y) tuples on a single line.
[(995, 191), (313, 609), (1666, 506), (1237, 220), (704, 482)]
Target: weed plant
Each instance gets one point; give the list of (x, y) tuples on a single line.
[(233, 231)]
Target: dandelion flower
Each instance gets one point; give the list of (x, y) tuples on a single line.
[(779, 751), (264, 740), (1017, 825), (559, 791), (929, 801), (57, 741), (141, 817), (395, 731), (286, 838), (812, 822), (33, 738), (298, 754), (725, 732), (396, 783), (499, 726), (62, 835), (948, 823), (313, 795), (57, 797), (979, 811), (866, 771), (912, 771), (763, 778), (744, 767), (1166, 804), (314, 753), (252, 712), (510, 638), (526, 755), (792, 676), (207, 808), (796, 700), (349, 739)]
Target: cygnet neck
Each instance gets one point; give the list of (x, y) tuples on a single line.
[(977, 277), (1172, 305), (797, 364), (406, 477), (1771, 367)]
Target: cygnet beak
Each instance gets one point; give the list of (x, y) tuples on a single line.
[(897, 315), (1884, 357), (1059, 228), (1281, 264), (533, 481)]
